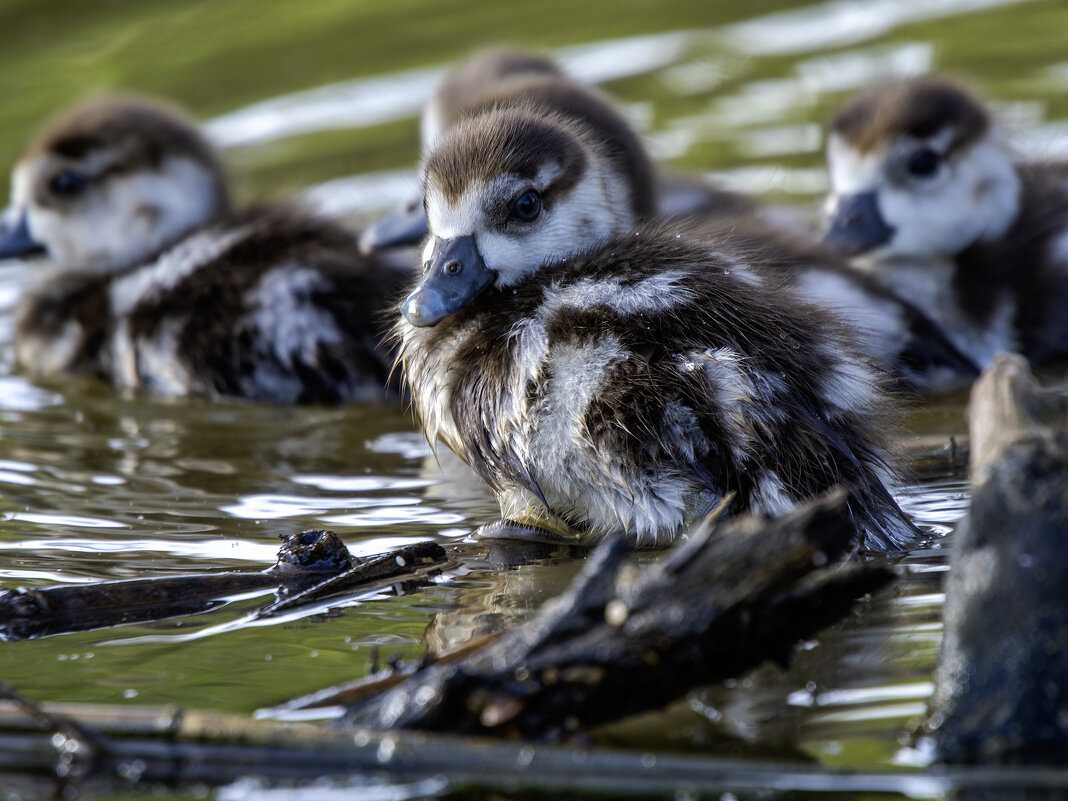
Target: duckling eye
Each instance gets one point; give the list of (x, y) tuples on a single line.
[(67, 183), (526, 207), (924, 163)]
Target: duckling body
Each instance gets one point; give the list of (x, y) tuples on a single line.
[(153, 283), (912, 349), (268, 304), (930, 201), (608, 376)]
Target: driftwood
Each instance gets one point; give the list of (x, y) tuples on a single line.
[(146, 748), (311, 566), (622, 641), (1002, 682)]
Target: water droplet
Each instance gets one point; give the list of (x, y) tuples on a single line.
[(615, 613), (386, 749), (131, 771)]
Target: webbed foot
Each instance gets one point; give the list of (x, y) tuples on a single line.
[(513, 543)]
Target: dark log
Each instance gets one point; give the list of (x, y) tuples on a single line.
[(1002, 682), (623, 640), (311, 566), (145, 749)]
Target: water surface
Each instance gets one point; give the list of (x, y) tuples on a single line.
[(321, 99)]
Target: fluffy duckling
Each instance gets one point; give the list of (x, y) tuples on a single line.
[(894, 332), (604, 378), (929, 197), (152, 281)]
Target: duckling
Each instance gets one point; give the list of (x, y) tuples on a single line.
[(608, 375), (929, 198), (152, 281), (902, 338)]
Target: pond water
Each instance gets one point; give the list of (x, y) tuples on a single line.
[(321, 98)]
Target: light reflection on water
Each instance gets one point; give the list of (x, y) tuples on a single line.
[(96, 486)]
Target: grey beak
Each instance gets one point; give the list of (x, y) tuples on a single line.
[(405, 226), (454, 277), (857, 226), (15, 239)]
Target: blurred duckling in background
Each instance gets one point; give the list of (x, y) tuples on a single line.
[(930, 200), (152, 281), (895, 333), (604, 374)]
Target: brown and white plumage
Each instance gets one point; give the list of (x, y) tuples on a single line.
[(604, 374), (151, 280), (933, 203), (894, 332)]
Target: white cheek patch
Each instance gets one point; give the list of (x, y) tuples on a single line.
[(593, 211), (975, 197), (127, 217)]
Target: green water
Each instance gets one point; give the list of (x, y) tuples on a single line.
[(96, 486)]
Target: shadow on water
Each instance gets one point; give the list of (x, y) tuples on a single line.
[(322, 99)]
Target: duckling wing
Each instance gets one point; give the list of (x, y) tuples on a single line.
[(287, 311)]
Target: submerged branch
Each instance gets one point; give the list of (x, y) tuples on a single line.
[(311, 566), (624, 640)]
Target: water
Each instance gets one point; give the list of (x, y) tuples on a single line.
[(321, 98)]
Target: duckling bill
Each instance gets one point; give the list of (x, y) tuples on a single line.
[(150, 279), (608, 377)]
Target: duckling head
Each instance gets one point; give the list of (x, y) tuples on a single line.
[(501, 78), (108, 184), (506, 193), (917, 170)]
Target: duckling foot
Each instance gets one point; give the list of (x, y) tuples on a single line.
[(511, 530)]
